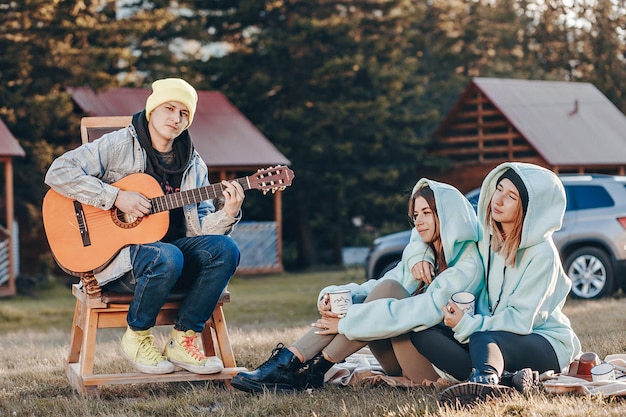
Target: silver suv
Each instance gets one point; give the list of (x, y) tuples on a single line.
[(592, 241)]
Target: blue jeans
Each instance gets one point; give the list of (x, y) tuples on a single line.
[(199, 266)]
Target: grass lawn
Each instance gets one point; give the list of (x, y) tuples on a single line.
[(265, 310)]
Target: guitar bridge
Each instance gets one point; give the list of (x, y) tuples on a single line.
[(82, 223)]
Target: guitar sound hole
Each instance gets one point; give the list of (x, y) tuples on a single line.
[(123, 220)]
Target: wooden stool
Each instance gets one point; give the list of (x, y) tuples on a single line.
[(108, 310)]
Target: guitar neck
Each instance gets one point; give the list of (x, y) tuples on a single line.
[(183, 198)]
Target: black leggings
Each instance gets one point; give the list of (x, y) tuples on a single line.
[(490, 352)]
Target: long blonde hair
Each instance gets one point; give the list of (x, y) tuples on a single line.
[(436, 245), (501, 244)]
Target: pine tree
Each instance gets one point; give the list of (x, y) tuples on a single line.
[(335, 87)]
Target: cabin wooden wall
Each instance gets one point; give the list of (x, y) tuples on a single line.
[(476, 137)]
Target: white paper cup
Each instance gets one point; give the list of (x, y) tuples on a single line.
[(603, 372), (340, 301), (465, 301)]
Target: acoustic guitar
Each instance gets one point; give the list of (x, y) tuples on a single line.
[(84, 238)]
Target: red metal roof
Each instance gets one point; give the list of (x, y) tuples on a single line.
[(568, 123), (223, 136), (9, 146)]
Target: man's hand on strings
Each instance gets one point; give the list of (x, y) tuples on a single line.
[(133, 203), (233, 197)]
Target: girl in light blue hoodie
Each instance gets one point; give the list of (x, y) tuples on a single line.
[(519, 329), (409, 298)]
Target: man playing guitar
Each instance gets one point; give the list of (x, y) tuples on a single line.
[(194, 254)]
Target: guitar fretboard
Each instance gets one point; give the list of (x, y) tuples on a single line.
[(183, 198)]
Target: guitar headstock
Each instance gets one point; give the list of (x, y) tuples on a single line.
[(271, 179)]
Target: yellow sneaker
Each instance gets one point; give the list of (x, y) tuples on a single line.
[(182, 351), (138, 347)]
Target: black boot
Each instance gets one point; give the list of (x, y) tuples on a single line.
[(524, 380), (479, 387), (278, 373), (311, 374), (488, 379)]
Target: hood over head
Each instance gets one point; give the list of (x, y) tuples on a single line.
[(546, 200), (457, 219)]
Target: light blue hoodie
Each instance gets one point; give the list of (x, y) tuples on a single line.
[(386, 318), (531, 294)]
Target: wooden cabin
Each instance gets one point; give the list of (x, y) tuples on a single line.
[(566, 127), (230, 145), (9, 263)]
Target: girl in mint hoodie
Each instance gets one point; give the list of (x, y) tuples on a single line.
[(519, 328), (385, 312)]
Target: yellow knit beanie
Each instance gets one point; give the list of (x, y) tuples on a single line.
[(172, 89)]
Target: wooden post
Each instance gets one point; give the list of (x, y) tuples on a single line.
[(278, 217), (10, 287)]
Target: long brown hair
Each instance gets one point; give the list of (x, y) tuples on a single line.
[(436, 245), (501, 244)]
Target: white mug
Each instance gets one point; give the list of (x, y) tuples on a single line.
[(465, 301), (340, 301), (603, 372)]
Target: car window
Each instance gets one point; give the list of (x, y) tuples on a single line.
[(472, 196), (584, 197), (569, 198)]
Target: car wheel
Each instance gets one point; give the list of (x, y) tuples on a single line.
[(388, 268), (591, 273)]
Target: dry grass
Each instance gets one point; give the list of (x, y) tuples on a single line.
[(263, 312)]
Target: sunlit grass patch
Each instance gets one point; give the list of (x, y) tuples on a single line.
[(263, 312)]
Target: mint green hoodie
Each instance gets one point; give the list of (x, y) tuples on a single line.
[(532, 294), (386, 318)]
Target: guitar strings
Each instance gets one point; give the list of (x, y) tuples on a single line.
[(167, 202)]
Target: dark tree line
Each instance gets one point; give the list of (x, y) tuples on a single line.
[(349, 91)]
